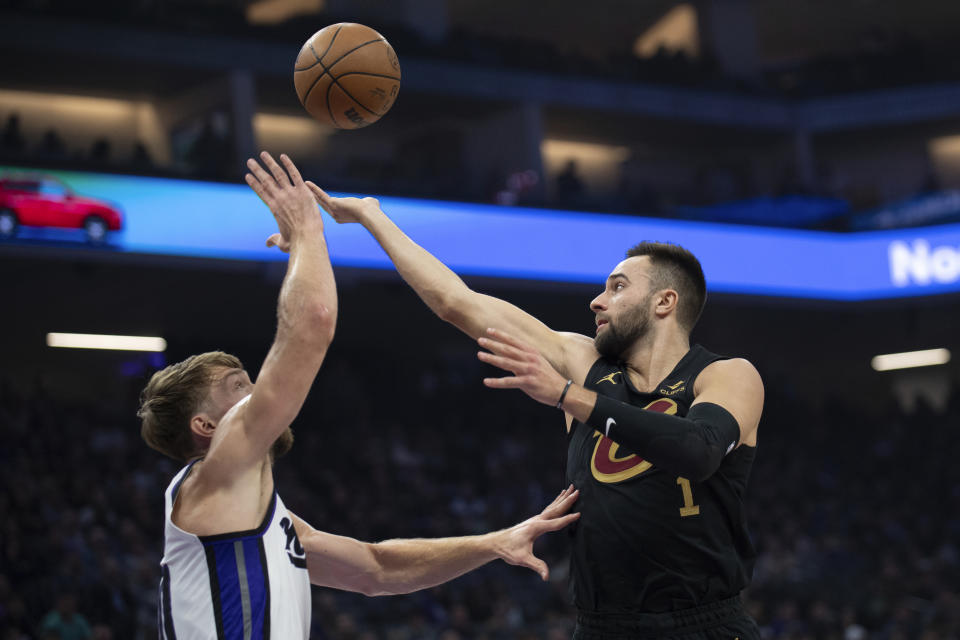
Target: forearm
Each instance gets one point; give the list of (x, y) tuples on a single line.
[(411, 565), (692, 447), (436, 284)]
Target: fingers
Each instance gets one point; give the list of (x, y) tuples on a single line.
[(502, 348), (257, 187), (561, 505), (321, 196), (506, 364), (267, 183), (278, 173), (560, 496), (555, 524), (509, 339), (510, 382), (291, 169)]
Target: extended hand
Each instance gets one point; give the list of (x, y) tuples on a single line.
[(344, 210), (532, 373), (516, 547), (287, 196)]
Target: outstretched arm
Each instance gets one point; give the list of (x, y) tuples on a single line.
[(725, 412), (402, 566), (449, 296), (306, 318)]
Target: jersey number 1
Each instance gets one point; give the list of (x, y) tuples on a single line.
[(688, 508)]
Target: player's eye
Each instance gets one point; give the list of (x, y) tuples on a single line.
[(618, 286)]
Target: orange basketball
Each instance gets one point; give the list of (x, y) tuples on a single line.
[(347, 75)]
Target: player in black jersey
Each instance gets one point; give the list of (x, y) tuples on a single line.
[(661, 434)]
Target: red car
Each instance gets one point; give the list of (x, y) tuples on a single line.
[(44, 201)]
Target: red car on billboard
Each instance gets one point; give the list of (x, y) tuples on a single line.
[(45, 201)]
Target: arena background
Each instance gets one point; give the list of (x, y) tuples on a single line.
[(824, 116)]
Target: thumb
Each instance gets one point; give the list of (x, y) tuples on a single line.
[(277, 240), (318, 194), (533, 563)]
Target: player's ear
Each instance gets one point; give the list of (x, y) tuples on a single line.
[(202, 426), (667, 300)]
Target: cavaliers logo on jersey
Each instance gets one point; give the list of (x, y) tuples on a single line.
[(607, 467)]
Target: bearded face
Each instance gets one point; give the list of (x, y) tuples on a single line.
[(621, 333)]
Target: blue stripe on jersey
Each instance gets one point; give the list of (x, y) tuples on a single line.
[(166, 616), (241, 597)]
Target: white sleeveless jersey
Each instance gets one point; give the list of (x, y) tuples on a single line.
[(248, 585)]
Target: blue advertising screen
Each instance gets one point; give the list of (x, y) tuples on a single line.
[(190, 218)]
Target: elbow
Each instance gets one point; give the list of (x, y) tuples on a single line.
[(324, 322), (446, 308), (317, 324), (374, 579), (699, 466), (700, 470), (451, 304)]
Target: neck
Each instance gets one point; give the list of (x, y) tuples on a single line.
[(654, 356)]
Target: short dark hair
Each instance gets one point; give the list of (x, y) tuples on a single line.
[(173, 396), (676, 268)]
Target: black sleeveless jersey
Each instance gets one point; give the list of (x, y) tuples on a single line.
[(648, 541)]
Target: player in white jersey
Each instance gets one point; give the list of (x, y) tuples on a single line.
[(236, 563)]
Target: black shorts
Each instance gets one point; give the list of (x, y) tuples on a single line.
[(722, 620)]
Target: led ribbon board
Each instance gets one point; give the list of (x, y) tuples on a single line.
[(189, 218)]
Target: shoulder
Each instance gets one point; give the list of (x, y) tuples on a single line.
[(730, 370), (579, 354)]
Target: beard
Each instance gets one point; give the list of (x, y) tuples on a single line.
[(619, 337), (282, 444)]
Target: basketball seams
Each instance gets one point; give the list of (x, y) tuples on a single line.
[(344, 102), (320, 57), (326, 99), (365, 73), (335, 82), (326, 71)]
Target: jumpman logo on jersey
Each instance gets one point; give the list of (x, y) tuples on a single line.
[(609, 378), (297, 556)]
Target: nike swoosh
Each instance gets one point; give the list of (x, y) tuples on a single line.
[(610, 423)]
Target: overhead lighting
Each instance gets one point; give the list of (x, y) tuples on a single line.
[(909, 359), (101, 341)]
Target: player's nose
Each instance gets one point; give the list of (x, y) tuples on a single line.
[(598, 303)]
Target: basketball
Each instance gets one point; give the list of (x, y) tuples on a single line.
[(347, 75)]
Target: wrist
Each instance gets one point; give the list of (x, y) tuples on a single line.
[(563, 394), (496, 544), (306, 233)]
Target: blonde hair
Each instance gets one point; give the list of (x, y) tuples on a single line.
[(172, 398)]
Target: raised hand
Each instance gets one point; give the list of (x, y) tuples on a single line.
[(532, 374), (516, 546), (287, 196), (344, 210)]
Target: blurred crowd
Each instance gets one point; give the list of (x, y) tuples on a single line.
[(876, 57), (855, 516)]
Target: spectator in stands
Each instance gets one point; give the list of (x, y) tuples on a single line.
[(100, 151), (64, 622), (12, 141), (52, 147), (569, 185)]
